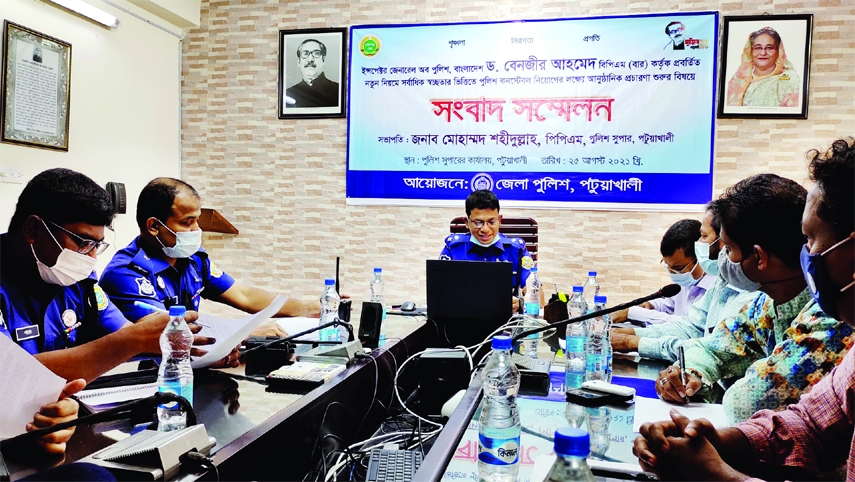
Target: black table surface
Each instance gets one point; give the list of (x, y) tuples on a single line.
[(264, 435)]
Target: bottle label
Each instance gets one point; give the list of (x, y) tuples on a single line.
[(573, 379), (532, 308), (594, 363), (185, 391), (575, 344), (499, 446)]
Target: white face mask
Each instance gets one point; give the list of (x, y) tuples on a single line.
[(186, 243), (70, 266)]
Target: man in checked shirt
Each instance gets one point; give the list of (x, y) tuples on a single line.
[(808, 439)]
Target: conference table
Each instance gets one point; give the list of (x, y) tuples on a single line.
[(263, 435), (454, 455)]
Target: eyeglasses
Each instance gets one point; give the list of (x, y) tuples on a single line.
[(84, 246), (304, 54), (480, 224), (684, 269), (675, 31), (769, 49)]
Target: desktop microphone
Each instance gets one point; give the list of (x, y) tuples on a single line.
[(666, 292), (126, 410)]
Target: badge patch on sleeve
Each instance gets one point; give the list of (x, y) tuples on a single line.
[(145, 287), (527, 262), (101, 297), (215, 272)]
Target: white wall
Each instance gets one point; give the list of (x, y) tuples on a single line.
[(125, 105)]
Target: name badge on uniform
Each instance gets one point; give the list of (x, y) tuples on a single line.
[(27, 332)]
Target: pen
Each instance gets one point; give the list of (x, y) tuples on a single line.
[(681, 357), (155, 309)]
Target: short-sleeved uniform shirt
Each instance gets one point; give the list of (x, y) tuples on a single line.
[(42, 317), (135, 275), (459, 247)]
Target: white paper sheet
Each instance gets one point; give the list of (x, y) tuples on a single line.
[(103, 396), (298, 324), (230, 333), (25, 386), (655, 410)]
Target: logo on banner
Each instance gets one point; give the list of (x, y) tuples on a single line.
[(369, 46), (481, 181)]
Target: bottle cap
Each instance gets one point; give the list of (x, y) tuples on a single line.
[(329, 282), (572, 441), (502, 342), (378, 270), (600, 299), (592, 273), (533, 269), (177, 310), (578, 289)]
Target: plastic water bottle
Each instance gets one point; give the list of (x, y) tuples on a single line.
[(532, 294), (378, 287), (571, 452), (329, 311), (599, 419), (575, 415), (175, 374), (600, 304), (592, 289), (499, 427), (576, 337), (598, 336)]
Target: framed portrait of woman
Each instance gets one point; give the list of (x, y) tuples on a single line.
[(765, 66)]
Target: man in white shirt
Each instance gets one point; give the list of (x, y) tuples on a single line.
[(678, 257)]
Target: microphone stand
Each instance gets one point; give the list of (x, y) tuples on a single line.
[(666, 292), (281, 341), (117, 413)]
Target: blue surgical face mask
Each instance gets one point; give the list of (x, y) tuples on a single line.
[(821, 287), (479, 243), (686, 280), (734, 274), (702, 251)]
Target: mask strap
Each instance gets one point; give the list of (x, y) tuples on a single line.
[(51, 234), (782, 280), (838, 244)]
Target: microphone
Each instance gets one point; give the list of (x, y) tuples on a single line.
[(118, 413), (665, 292)]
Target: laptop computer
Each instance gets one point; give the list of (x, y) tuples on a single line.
[(468, 299)]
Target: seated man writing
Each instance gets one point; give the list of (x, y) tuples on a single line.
[(678, 256), (814, 437), (165, 265), (780, 346), (718, 302), (485, 242), (50, 302)]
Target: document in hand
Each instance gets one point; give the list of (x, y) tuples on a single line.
[(656, 410), (25, 385), (230, 333)]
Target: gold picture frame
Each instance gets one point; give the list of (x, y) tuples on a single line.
[(36, 89)]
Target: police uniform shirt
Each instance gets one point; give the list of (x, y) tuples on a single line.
[(459, 247), (45, 318), (134, 275)]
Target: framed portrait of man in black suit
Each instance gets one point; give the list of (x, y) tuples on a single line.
[(312, 76)]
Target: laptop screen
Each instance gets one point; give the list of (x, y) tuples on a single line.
[(468, 299)]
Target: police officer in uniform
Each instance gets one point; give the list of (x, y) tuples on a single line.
[(166, 265), (485, 242), (50, 302)]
